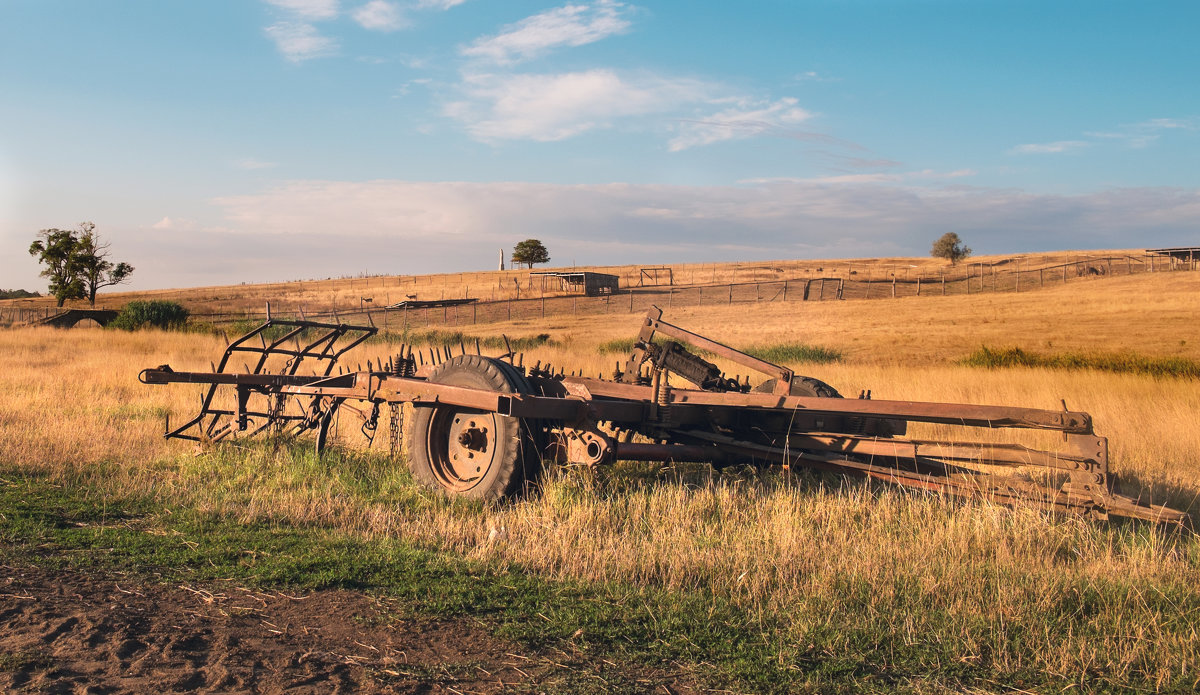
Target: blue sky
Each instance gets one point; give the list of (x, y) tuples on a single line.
[(252, 140)]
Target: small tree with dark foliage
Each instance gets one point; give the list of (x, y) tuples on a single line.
[(529, 252), (950, 247), (55, 249)]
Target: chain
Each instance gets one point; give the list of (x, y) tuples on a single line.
[(396, 429)]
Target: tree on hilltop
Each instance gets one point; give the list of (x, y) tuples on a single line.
[(95, 270), (950, 247), (77, 263), (529, 252), (56, 250)]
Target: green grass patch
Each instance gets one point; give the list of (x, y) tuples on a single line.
[(1118, 362), (884, 634), (453, 339), (620, 346), (58, 526), (781, 353)]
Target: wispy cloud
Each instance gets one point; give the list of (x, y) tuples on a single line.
[(569, 25), (1050, 147), (250, 164), (299, 41), (438, 4), (547, 107), (775, 119), (308, 9), (380, 15), (880, 177), (814, 76), (1132, 135)]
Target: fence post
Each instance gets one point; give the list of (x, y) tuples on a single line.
[(785, 290), (1017, 287), (731, 293), (841, 288), (544, 305), (631, 301), (918, 285), (1064, 273), (943, 284), (893, 285)]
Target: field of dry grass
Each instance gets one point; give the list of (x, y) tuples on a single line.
[(836, 567)]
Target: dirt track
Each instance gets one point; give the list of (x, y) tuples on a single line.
[(63, 632)]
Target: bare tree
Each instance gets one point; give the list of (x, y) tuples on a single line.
[(95, 270)]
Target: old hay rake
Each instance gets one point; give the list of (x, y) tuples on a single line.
[(484, 426)]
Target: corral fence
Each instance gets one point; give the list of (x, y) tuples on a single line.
[(869, 281)]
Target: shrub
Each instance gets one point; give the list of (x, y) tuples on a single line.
[(158, 314)]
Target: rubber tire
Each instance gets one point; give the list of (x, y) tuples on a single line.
[(514, 463), (802, 386)]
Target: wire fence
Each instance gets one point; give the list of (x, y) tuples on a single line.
[(848, 283)]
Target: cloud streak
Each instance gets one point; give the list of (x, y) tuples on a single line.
[(569, 25), (1056, 147), (299, 41), (380, 15), (548, 107), (776, 119)]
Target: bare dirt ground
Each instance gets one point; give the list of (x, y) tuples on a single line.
[(65, 632)]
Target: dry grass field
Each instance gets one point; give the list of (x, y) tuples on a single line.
[(837, 585)]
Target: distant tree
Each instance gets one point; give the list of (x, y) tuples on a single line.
[(529, 252), (77, 263), (56, 250), (95, 270), (18, 294), (950, 247)]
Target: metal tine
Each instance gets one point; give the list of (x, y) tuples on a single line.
[(477, 351), (420, 357), (462, 347), (446, 351), (225, 336)]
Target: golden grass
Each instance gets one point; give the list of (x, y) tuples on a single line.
[(914, 566)]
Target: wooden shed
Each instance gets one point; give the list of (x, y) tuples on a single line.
[(582, 282)]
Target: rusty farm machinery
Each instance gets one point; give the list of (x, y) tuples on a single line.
[(484, 426)]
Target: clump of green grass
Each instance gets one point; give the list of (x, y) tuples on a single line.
[(622, 346), (1118, 362), (152, 314), (781, 353), (435, 337)]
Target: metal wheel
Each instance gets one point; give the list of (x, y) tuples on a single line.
[(802, 386), (473, 453)]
